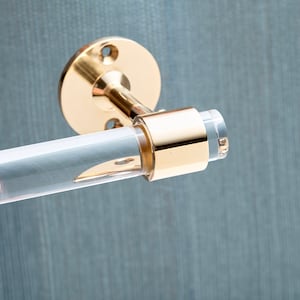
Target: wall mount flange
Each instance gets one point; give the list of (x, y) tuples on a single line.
[(87, 85)]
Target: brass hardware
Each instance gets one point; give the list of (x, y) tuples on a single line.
[(94, 77), (111, 168), (115, 82), (178, 142)]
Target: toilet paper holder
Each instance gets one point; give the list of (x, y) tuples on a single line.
[(107, 93)]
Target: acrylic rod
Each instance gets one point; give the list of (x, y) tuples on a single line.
[(55, 166), (85, 160)]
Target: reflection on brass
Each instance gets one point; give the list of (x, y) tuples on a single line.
[(116, 87), (177, 143), (116, 167)]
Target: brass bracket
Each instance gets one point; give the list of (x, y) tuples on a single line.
[(98, 83)]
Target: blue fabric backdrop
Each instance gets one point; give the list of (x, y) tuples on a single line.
[(231, 232)]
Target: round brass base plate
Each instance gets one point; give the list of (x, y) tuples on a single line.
[(88, 112)]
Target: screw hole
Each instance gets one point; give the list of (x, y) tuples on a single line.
[(108, 54), (113, 123), (106, 51)]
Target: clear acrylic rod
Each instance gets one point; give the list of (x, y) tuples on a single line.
[(61, 165), (175, 147)]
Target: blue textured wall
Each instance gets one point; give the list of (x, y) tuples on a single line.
[(231, 232)]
